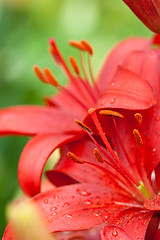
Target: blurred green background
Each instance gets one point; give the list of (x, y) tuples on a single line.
[(25, 26)]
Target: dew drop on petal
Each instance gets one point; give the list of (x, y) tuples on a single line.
[(50, 220), (66, 204), (154, 150), (112, 100), (114, 233), (54, 213), (83, 192), (67, 215), (53, 209), (157, 119), (45, 201), (88, 202)]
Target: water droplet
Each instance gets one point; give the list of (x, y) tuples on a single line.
[(56, 197), (112, 100), (154, 150), (83, 192), (50, 220), (67, 215), (157, 119), (106, 217), (66, 204), (114, 233), (112, 84), (45, 201), (88, 202), (53, 209), (54, 213)]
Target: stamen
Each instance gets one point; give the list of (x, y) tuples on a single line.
[(111, 113), (138, 137), (51, 79), (40, 75), (116, 159), (83, 126), (76, 44), (74, 65), (138, 118), (74, 158), (58, 57), (98, 156), (87, 47)]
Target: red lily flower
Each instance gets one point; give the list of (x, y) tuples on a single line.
[(53, 126), (148, 11), (120, 185)]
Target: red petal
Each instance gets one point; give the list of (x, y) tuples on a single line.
[(118, 56), (113, 233), (153, 203), (127, 90), (79, 206), (82, 172), (134, 222), (146, 12), (33, 160), (30, 120)]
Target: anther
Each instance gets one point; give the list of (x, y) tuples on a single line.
[(111, 113), (83, 126), (98, 156), (138, 117), (87, 47), (51, 79), (76, 45), (74, 65), (74, 158), (39, 74), (138, 137)]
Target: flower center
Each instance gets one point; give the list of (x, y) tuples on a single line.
[(83, 90), (132, 179)]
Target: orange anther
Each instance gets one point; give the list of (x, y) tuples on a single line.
[(51, 79), (74, 65), (138, 137), (138, 117), (98, 156), (39, 74), (76, 44), (87, 47), (83, 126), (111, 113), (74, 158)]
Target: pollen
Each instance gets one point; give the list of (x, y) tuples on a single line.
[(87, 47), (83, 126), (76, 44), (73, 157), (138, 117), (98, 156), (111, 113), (74, 65), (51, 79), (39, 74), (138, 137)]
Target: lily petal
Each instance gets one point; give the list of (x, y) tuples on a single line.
[(146, 11), (117, 56), (33, 160), (31, 120), (130, 91), (153, 203), (134, 222)]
